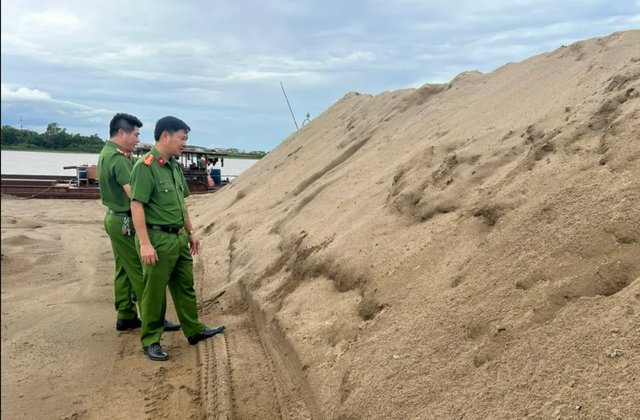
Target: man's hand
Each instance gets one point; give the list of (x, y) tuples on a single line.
[(148, 254), (194, 244)]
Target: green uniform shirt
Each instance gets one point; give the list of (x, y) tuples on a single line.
[(161, 186), (114, 170)]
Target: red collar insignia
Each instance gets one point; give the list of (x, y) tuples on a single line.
[(160, 161)]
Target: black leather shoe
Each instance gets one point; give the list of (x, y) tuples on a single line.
[(128, 324), (155, 353), (171, 326), (204, 334)]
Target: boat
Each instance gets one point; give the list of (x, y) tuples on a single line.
[(194, 164), (84, 184), (48, 187)]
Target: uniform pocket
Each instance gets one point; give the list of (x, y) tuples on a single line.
[(166, 193)]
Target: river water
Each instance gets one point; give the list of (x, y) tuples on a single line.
[(51, 163)]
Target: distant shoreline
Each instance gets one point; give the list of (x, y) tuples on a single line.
[(10, 149), (244, 157)]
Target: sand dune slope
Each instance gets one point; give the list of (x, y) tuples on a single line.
[(466, 250)]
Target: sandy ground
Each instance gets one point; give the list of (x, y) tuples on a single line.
[(61, 355), (469, 250)]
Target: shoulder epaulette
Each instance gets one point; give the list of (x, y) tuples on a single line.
[(148, 160), (122, 152)]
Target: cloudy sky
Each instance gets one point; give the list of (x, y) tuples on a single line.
[(218, 64)]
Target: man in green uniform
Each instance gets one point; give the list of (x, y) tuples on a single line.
[(114, 169), (166, 238)]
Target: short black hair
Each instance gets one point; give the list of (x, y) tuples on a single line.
[(125, 121), (171, 125)]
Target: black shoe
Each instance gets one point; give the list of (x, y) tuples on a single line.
[(128, 324), (171, 326), (204, 334), (155, 353)]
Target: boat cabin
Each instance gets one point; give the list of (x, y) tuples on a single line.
[(197, 166)]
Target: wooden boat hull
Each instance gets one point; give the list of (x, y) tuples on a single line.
[(61, 187)]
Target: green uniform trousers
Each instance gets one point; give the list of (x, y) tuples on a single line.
[(175, 269), (128, 272)]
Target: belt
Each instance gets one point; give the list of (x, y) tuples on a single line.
[(117, 213), (166, 229)]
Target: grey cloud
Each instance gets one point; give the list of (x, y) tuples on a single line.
[(219, 64)]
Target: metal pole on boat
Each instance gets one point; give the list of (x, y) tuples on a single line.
[(285, 97)]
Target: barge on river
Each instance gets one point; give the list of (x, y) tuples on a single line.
[(84, 184)]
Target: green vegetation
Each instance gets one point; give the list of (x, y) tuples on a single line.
[(246, 155), (233, 153), (53, 138), (56, 139)]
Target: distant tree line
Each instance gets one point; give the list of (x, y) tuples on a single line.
[(53, 138), (56, 138)]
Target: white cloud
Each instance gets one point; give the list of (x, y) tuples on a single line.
[(24, 99), (52, 20), (23, 93), (253, 75)]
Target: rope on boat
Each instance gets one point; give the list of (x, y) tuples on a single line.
[(44, 191)]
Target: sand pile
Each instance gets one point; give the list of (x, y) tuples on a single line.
[(467, 250)]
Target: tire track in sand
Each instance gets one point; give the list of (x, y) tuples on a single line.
[(251, 383), (213, 364)]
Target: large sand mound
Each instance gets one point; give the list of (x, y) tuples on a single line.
[(467, 250)]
